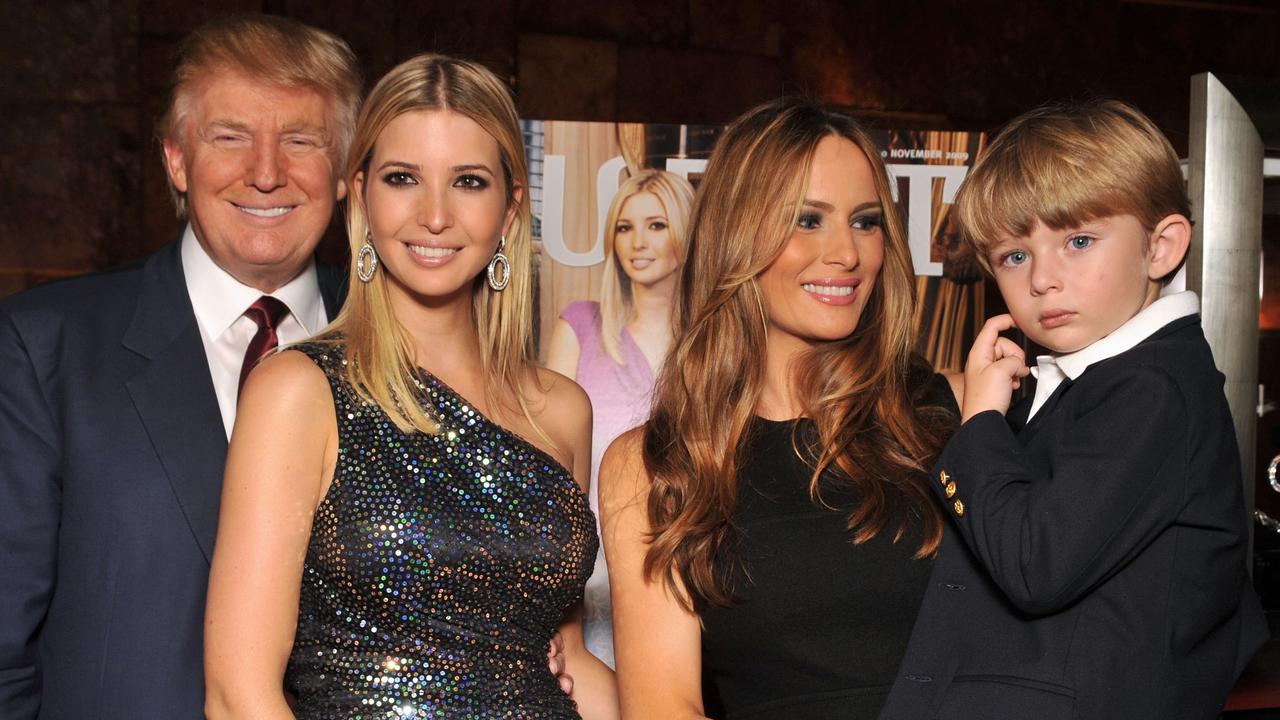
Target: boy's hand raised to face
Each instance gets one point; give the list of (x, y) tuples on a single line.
[(994, 370)]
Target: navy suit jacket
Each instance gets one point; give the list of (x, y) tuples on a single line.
[(111, 459), (1095, 565)]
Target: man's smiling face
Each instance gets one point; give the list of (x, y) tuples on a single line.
[(258, 168)]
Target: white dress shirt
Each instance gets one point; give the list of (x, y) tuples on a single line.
[(219, 301), (1051, 370)]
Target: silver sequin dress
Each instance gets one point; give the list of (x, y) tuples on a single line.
[(438, 568)]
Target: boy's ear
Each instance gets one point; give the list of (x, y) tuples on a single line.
[(1169, 242)]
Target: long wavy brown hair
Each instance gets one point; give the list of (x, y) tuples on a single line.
[(863, 392)]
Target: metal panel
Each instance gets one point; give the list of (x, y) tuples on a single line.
[(1225, 184)]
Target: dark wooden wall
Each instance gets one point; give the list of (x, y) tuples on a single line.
[(81, 186)]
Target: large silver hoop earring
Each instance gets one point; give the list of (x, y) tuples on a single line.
[(498, 279), (366, 259)]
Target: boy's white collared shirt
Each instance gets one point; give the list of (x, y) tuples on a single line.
[(1051, 370)]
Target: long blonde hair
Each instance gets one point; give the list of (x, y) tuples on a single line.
[(380, 355), (870, 434), (676, 195)]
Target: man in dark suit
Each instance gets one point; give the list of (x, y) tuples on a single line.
[(119, 389)]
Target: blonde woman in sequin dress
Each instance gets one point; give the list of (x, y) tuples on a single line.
[(405, 520)]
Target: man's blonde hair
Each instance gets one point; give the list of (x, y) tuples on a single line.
[(274, 50), (1065, 164)]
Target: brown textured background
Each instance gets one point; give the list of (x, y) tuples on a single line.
[(82, 82)]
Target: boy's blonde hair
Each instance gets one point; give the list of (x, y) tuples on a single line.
[(1065, 164)]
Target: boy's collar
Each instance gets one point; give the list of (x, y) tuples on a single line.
[(1051, 370), (1138, 328)]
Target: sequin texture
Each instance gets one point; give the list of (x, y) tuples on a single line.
[(438, 568)]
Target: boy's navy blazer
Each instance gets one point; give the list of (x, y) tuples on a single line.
[(1114, 534), (111, 457)]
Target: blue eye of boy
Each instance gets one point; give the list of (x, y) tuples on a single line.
[(1080, 242), (1017, 257)]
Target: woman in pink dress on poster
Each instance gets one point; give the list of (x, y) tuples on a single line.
[(615, 348)]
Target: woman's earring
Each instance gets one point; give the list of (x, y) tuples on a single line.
[(367, 259), (498, 279)]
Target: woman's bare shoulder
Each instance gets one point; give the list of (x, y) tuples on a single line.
[(555, 387), (560, 400), (623, 475), (625, 450), (285, 430), (288, 376), (563, 411)]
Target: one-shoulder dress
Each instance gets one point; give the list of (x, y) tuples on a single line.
[(438, 568)]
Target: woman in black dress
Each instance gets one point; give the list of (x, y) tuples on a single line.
[(769, 531), (405, 521)]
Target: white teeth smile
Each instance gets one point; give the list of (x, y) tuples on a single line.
[(832, 290), (265, 212), (431, 252)]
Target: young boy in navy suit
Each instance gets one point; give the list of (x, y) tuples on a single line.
[(1099, 570)]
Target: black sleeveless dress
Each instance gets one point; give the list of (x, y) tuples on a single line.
[(438, 568), (820, 624)]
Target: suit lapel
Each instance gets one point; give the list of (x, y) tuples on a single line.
[(1028, 430), (174, 394), (1017, 415)]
